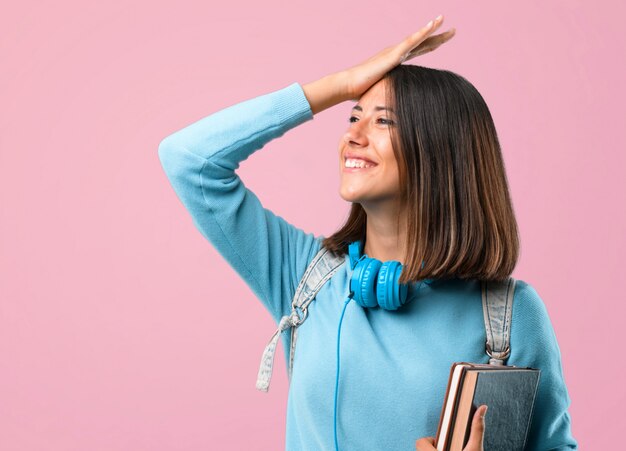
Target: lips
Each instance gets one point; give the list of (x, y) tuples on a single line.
[(357, 156), (360, 167)]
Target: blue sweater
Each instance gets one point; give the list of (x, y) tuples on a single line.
[(394, 365)]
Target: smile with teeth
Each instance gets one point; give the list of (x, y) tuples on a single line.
[(357, 163)]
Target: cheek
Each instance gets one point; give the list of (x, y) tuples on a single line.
[(391, 164), (393, 178), (392, 170)]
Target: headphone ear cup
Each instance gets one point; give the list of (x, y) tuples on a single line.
[(363, 282), (389, 293)]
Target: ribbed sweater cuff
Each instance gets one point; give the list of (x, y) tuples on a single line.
[(292, 105)]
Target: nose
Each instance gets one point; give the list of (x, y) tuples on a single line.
[(355, 135)]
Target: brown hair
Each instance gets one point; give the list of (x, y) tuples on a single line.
[(460, 221)]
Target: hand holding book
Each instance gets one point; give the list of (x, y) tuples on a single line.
[(477, 434)]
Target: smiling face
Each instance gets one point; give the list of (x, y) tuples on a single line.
[(368, 167)]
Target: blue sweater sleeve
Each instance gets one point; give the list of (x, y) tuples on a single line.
[(534, 344), (200, 160)]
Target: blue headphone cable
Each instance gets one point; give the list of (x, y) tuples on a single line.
[(350, 297), (337, 376)]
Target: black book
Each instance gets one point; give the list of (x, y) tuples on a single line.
[(508, 391)]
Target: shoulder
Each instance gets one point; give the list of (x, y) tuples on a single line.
[(529, 308), (316, 249), (325, 259), (305, 258), (531, 327), (306, 254)]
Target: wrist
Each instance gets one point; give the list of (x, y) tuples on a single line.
[(327, 91)]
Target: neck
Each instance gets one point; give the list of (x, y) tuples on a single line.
[(385, 233)]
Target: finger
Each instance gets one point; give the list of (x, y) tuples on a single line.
[(445, 36), (429, 44), (439, 38), (425, 444), (414, 39), (478, 429), (428, 28)]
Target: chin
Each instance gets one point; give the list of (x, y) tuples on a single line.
[(354, 198), (348, 196)]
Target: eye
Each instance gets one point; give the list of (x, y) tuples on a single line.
[(384, 121)]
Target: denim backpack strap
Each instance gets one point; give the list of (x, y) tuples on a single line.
[(497, 310), (320, 269)]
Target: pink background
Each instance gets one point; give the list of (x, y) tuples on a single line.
[(121, 328)]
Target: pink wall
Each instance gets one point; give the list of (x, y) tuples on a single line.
[(118, 321)]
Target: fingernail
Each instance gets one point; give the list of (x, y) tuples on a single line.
[(439, 17), (429, 24), (484, 412)]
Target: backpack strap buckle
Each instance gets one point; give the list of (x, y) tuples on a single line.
[(497, 358), (298, 314)]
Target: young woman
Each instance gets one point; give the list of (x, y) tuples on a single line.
[(421, 164)]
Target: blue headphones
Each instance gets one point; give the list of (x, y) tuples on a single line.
[(374, 283)]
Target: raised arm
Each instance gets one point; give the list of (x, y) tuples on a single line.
[(200, 161)]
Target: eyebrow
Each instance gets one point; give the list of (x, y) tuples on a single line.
[(376, 108)]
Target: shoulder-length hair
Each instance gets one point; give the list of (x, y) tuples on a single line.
[(460, 219)]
